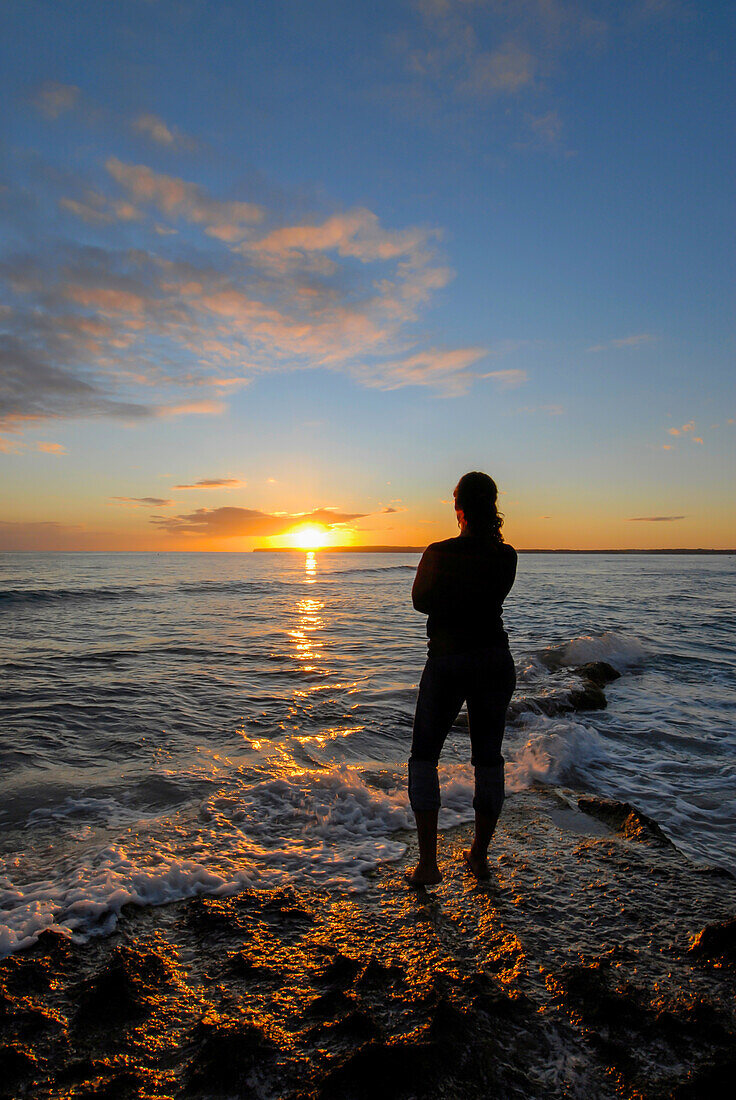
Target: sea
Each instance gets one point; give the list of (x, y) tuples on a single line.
[(176, 724)]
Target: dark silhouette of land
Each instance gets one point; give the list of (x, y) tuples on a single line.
[(421, 549)]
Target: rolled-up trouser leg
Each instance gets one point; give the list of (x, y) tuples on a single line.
[(424, 786), (489, 790)]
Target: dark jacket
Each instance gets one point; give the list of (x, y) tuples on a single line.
[(460, 585)]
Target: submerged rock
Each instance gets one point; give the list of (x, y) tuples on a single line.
[(384, 1069), (718, 939), (122, 990), (588, 697), (624, 819), (380, 973), (599, 673), (340, 971), (228, 1056)]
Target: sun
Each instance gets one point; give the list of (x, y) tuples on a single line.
[(309, 537)]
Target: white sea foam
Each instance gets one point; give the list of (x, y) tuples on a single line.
[(557, 750), (322, 827), (622, 651)]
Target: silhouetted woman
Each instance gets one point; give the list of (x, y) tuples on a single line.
[(461, 584)]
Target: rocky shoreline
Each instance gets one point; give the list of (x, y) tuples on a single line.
[(597, 962)]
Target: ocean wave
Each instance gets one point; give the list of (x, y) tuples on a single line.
[(556, 752), (324, 827), (11, 596), (621, 651), (368, 569)]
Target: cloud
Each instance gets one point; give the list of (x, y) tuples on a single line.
[(97, 209), (156, 130), (41, 535), (357, 233), (625, 342), (238, 522), (178, 198), (142, 333), (446, 370), (546, 129), (33, 389), (51, 448), (53, 99), (507, 379), (686, 430), (189, 408), (214, 483), (506, 69), (155, 502), (655, 519)]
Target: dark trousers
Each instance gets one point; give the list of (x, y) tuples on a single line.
[(485, 680)]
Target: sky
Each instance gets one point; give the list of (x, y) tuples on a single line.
[(279, 273)]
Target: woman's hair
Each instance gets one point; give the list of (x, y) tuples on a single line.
[(476, 495)]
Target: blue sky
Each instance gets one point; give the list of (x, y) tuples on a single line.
[(317, 259)]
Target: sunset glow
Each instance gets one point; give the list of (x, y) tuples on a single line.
[(286, 287), (310, 537)]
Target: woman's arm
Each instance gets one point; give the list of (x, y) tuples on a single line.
[(425, 582)]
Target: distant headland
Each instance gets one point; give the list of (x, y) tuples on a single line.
[(421, 549)]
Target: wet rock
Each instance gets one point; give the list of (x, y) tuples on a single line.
[(624, 819), (241, 964), (53, 946), (121, 990), (449, 1024), (29, 1022), (330, 1004), (127, 1085), (485, 996), (599, 673), (714, 1082), (287, 906), (15, 1064), (716, 940), (378, 973), (588, 697), (21, 974), (213, 915), (340, 971), (384, 1069), (586, 990), (356, 1027), (81, 1069), (227, 1058)]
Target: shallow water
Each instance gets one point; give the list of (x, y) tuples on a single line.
[(184, 723)]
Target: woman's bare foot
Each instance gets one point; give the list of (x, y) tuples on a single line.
[(478, 865), (423, 875)]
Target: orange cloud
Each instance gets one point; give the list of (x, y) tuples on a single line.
[(178, 198), (357, 233), (53, 99), (239, 522), (190, 408), (154, 128), (447, 370), (655, 519), (214, 483), (154, 502), (51, 448), (507, 378), (625, 342)]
